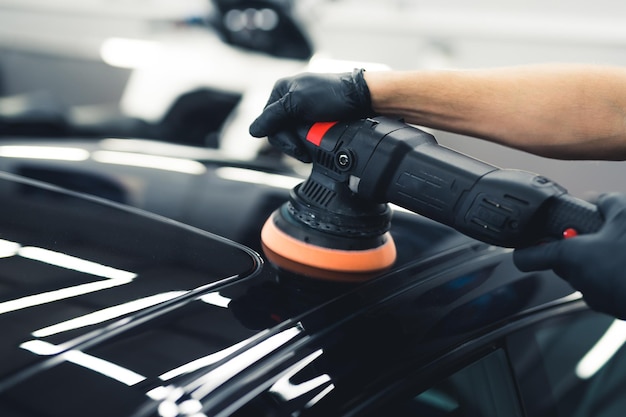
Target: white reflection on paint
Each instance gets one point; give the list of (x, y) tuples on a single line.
[(101, 366), (76, 264), (216, 377), (256, 177), (108, 313), (61, 294), (602, 352), (216, 299), (204, 361), (287, 391), (8, 248), (165, 163), (116, 276)]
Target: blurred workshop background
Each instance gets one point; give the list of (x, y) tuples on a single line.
[(196, 72)]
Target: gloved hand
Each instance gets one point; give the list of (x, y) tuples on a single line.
[(309, 98), (594, 264)]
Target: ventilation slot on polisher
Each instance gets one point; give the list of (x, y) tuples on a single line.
[(327, 160), (316, 193)]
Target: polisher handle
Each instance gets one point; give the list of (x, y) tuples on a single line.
[(509, 208), (568, 216)]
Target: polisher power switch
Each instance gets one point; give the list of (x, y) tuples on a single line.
[(490, 214)]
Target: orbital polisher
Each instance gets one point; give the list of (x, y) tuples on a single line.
[(338, 219)]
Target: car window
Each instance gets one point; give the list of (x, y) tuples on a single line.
[(485, 388), (572, 366)]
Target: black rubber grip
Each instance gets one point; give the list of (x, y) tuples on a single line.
[(565, 212)]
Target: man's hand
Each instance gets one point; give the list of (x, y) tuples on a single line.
[(308, 98), (594, 264)]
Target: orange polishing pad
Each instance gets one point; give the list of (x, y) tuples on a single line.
[(352, 261)]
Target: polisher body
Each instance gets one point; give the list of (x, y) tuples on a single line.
[(361, 166)]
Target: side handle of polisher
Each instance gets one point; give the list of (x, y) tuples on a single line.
[(509, 208)]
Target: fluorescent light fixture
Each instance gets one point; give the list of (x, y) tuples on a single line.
[(216, 299), (101, 366), (44, 152), (165, 163), (129, 53), (256, 177), (602, 352), (106, 314)]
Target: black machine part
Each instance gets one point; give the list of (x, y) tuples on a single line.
[(381, 160)]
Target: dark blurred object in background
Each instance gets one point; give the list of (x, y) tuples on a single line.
[(264, 26)]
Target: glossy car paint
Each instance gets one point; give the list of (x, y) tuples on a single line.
[(199, 325), (72, 266)]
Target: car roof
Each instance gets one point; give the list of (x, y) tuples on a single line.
[(72, 264), (191, 304)]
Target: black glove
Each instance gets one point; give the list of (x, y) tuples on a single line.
[(594, 264), (308, 98)]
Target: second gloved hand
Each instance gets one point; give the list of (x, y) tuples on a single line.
[(307, 98), (594, 264)]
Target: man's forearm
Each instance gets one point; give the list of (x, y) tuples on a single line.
[(560, 111)]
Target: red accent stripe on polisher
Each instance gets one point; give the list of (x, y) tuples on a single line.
[(317, 132)]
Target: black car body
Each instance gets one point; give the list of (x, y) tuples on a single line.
[(136, 288)]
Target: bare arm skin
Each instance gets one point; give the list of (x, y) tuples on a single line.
[(565, 111)]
